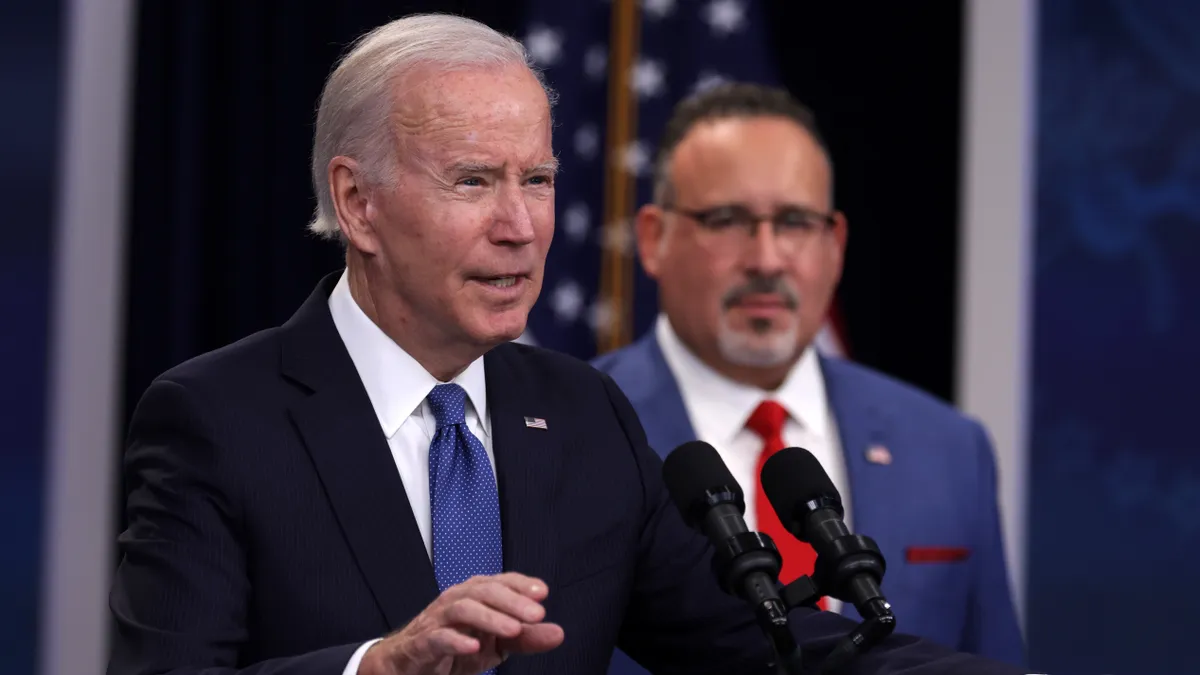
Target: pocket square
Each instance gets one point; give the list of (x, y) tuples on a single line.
[(936, 554)]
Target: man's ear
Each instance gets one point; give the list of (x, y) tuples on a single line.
[(650, 231), (352, 203)]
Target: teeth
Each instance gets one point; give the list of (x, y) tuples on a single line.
[(502, 282)]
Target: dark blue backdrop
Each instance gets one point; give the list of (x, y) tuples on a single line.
[(1115, 492), (29, 77)]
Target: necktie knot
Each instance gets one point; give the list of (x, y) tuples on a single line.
[(449, 403), (767, 420)]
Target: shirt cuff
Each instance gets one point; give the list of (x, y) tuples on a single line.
[(352, 666)]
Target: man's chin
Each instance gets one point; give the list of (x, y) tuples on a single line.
[(762, 334), (754, 349), (762, 358), (503, 327)]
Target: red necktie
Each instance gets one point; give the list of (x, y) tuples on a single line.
[(798, 557)]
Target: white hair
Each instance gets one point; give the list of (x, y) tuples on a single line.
[(352, 117)]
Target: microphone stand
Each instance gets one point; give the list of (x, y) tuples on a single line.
[(755, 552), (850, 556)]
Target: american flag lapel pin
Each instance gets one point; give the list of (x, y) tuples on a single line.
[(878, 454), (535, 423)]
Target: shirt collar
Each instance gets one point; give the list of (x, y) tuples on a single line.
[(726, 405), (395, 382)]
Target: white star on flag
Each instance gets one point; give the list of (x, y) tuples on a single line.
[(725, 16), (618, 237), (635, 158), (595, 61), (708, 80), (648, 78), (567, 301), (658, 9), (600, 315), (587, 141), (544, 45), (576, 221)]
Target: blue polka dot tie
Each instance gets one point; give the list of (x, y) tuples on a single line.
[(462, 495)]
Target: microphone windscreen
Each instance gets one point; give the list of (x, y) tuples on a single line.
[(792, 477), (691, 471)]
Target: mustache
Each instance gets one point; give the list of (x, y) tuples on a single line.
[(760, 285)]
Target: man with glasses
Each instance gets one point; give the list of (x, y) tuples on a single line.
[(747, 250)]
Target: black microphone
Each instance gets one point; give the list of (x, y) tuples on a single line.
[(849, 567), (746, 563)]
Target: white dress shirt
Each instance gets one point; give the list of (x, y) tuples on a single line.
[(398, 386), (719, 408)]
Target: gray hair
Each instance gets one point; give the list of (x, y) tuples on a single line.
[(352, 117)]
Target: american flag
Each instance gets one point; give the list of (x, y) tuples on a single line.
[(535, 423), (683, 46)]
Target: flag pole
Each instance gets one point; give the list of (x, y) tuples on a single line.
[(616, 271)]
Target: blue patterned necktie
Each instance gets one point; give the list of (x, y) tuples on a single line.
[(462, 495)]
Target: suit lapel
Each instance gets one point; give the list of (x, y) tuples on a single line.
[(860, 425), (652, 389), (352, 457), (527, 463)]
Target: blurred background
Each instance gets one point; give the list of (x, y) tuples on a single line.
[(1021, 178)]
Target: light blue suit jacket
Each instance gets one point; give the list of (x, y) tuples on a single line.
[(938, 492)]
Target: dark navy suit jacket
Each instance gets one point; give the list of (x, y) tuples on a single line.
[(935, 502), (269, 532)]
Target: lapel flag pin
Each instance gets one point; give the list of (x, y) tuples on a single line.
[(877, 454), (535, 423)]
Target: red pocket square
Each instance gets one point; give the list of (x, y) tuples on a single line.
[(936, 554)]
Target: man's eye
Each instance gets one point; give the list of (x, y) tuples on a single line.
[(541, 180), (796, 220), (723, 219), (473, 181)]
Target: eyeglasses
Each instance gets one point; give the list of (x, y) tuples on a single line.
[(792, 225)]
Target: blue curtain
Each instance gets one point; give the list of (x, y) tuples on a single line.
[(31, 42), (1114, 525)]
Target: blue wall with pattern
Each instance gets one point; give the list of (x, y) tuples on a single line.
[(30, 62), (1114, 513)]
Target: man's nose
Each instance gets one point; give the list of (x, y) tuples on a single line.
[(514, 224), (763, 252)]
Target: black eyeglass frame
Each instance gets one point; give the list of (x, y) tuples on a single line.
[(739, 215)]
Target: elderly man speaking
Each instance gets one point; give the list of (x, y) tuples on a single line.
[(386, 484)]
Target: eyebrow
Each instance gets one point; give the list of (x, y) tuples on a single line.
[(550, 166), (546, 167)]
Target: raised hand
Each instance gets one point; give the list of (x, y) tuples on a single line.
[(469, 629)]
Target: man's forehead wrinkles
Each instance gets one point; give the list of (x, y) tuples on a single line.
[(427, 120)]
